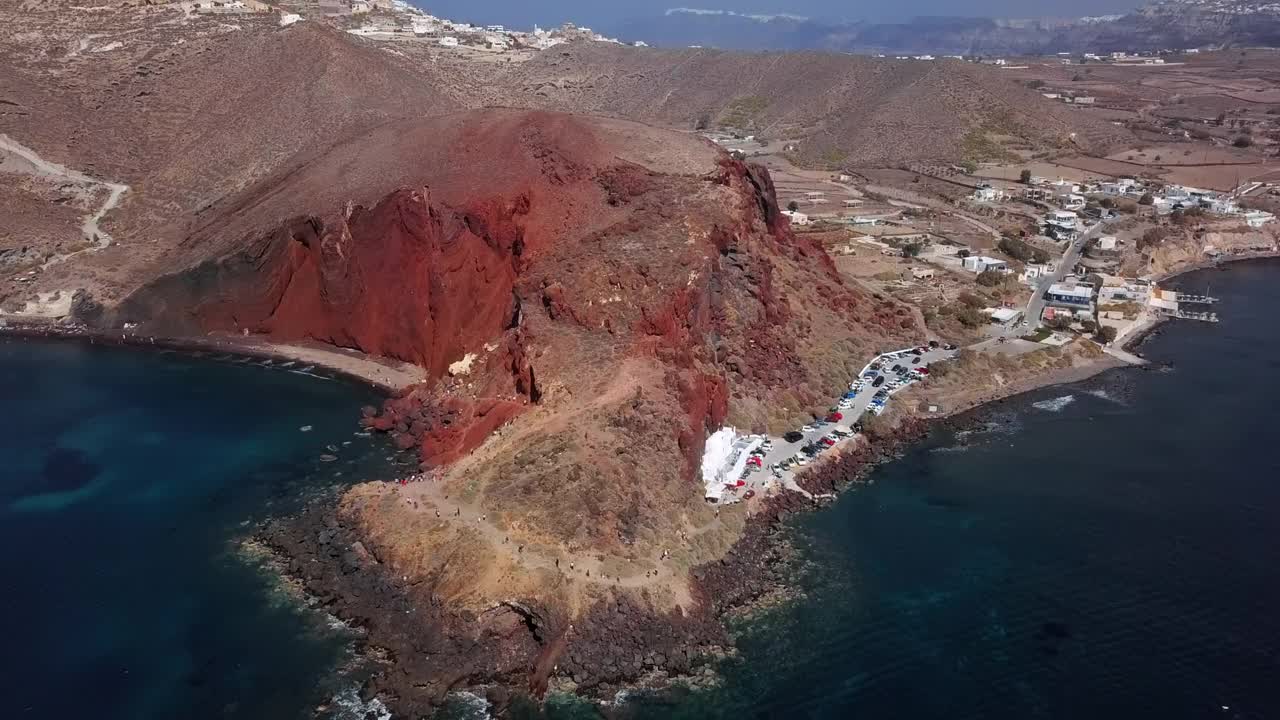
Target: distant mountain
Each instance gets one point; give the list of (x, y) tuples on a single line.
[(1166, 24)]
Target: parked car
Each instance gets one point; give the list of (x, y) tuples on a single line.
[(794, 436), (950, 346), (916, 361), (879, 381), (922, 371), (933, 343), (918, 351)]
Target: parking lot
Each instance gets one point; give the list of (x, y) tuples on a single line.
[(779, 458)]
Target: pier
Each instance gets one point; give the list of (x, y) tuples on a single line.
[(1190, 315), (1196, 299)]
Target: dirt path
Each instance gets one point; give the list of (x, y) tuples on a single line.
[(978, 224), (430, 497), (91, 229)]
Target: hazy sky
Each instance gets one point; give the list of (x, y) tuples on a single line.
[(605, 13)]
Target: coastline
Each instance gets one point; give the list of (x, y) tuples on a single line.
[(596, 654), (389, 377)]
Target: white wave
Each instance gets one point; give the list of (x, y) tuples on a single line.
[(469, 705), (1054, 405), (348, 705), (1102, 394), (951, 449)]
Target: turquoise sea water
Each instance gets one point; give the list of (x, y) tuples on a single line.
[(127, 478)]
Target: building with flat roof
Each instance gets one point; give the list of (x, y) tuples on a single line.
[(797, 218), (982, 263), (1069, 296), (1008, 317)]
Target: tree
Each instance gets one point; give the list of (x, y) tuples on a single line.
[(970, 317), (1058, 323), (990, 278), (793, 206), (1153, 237), (1106, 334), (963, 253), (1025, 177), (941, 368), (1147, 199), (1089, 326), (1022, 251), (704, 122), (1242, 141), (911, 250), (971, 300)]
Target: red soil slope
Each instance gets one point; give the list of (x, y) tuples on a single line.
[(625, 288)]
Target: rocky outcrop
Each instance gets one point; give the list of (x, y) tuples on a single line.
[(386, 280)]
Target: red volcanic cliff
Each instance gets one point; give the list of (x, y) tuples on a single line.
[(407, 278), (611, 293)]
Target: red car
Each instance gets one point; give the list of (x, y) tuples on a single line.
[(922, 371), (828, 442), (835, 417)]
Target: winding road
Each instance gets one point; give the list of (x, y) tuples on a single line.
[(91, 229)]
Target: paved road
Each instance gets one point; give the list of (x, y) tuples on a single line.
[(1068, 262), (762, 479)]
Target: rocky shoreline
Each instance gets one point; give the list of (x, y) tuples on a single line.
[(425, 649)]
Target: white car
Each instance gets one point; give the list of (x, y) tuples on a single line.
[(808, 428)]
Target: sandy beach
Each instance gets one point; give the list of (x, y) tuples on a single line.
[(391, 376)]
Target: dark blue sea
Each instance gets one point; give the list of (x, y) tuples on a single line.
[(128, 479), (1108, 549)]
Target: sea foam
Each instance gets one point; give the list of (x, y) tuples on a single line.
[(1054, 405), (348, 705)]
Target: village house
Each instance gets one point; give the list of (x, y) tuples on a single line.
[(1062, 225), (1004, 317), (1069, 295), (981, 263), (1258, 218), (918, 273), (987, 193), (796, 217), (1123, 186)]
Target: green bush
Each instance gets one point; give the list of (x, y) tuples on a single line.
[(1022, 251), (990, 278), (970, 317)]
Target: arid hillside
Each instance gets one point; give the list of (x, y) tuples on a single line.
[(184, 111), (839, 109)]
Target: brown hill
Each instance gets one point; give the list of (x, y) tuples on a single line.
[(186, 111), (843, 109)]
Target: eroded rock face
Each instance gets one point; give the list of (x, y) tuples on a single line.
[(408, 278)]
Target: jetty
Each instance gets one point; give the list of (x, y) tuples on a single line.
[(1195, 299), (1189, 315)]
